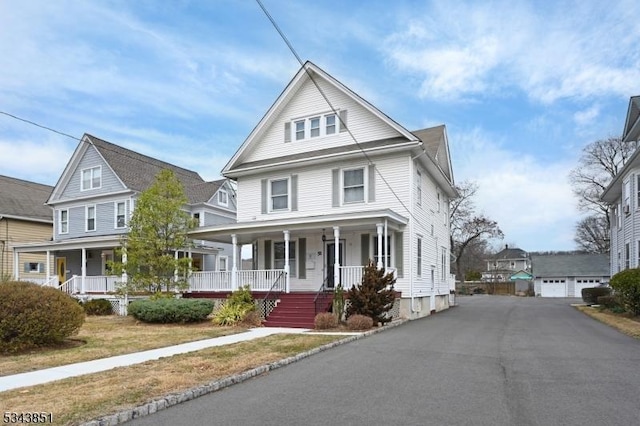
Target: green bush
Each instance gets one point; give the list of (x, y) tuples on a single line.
[(590, 295), (325, 321), (237, 306), (168, 311), (626, 285), (359, 322), (33, 316), (97, 307)]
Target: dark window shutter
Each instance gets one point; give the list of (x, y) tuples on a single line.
[(364, 249), (335, 184), (372, 183), (302, 258), (343, 120), (294, 193), (263, 190), (399, 254), (287, 132), (267, 254)]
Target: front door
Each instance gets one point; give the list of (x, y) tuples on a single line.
[(331, 260), (61, 267)]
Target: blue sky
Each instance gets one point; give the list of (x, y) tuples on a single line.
[(522, 86)]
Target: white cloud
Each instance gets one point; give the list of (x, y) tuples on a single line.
[(586, 116), (39, 161), (531, 201)]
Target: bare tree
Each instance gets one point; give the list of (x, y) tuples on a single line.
[(592, 234), (599, 163), (468, 228)]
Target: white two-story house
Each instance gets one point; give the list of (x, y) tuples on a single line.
[(623, 195), (327, 182), (93, 201)]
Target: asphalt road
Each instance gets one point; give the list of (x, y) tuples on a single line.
[(492, 360)]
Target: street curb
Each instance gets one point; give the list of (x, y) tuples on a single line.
[(198, 391)]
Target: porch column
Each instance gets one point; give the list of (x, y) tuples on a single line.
[(379, 227), (48, 267), (84, 270), (234, 266), (16, 262), (386, 247), (336, 256), (124, 271), (287, 281)]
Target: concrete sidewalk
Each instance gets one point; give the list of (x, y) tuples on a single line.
[(72, 370)]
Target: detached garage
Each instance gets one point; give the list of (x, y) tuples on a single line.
[(565, 275)]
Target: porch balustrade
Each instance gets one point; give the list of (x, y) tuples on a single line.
[(257, 280)]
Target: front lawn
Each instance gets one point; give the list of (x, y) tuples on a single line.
[(622, 322)]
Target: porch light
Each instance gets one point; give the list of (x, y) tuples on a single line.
[(324, 237)]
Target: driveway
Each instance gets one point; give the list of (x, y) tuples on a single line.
[(492, 360)]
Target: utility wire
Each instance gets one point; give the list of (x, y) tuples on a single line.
[(333, 109), (40, 125)]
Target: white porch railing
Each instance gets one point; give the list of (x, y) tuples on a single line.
[(352, 275), (92, 284), (259, 280), (51, 282), (69, 286), (210, 281)]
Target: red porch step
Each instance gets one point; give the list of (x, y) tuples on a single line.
[(297, 310)]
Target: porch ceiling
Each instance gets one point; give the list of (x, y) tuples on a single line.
[(248, 232)]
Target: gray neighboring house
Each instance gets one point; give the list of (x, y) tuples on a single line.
[(93, 201), (623, 195), (506, 263), (565, 275)]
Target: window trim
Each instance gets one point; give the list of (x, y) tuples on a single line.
[(224, 203), (270, 198), (115, 214), (418, 188), (90, 169), (226, 263), (86, 217), (334, 125), (293, 260), (419, 255), (60, 221), (365, 185), (307, 128)]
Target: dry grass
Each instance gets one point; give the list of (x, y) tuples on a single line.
[(75, 400), (107, 336), (623, 323)]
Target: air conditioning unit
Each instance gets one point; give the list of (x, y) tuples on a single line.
[(625, 209)]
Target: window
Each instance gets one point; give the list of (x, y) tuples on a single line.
[(91, 218), (63, 224), (120, 214), (280, 194), (627, 255), (278, 256), (438, 206), (300, 130), (627, 197), (315, 127), (418, 188), (33, 267), (222, 263), (91, 178), (353, 185), (386, 251), (419, 257), (196, 216), (223, 198), (330, 124), (443, 265)]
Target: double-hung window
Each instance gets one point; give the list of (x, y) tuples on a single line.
[(353, 185), (223, 198), (314, 130), (91, 218), (419, 257), (91, 178), (63, 223), (300, 130), (120, 218), (330, 124), (280, 194), (418, 188), (279, 256), (313, 127)]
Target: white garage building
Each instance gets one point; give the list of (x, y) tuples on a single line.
[(565, 275)]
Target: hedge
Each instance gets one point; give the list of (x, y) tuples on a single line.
[(171, 310)]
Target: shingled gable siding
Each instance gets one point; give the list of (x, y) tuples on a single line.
[(308, 102), (109, 184)]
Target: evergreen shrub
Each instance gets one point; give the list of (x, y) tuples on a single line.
[(34, 316), (626, 285), (374, 297), (168, 311), (590, 295)]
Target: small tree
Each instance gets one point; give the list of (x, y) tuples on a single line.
[(626, 285), (374, 297), (158, 228)]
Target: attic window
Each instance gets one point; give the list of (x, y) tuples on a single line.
[(223, 198), (91, 178), (315, 126)]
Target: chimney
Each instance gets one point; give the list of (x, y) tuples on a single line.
[(506, 246)]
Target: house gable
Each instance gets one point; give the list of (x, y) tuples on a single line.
[(276, 134), (631, 130)]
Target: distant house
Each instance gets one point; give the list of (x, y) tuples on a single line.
[(92, 202), (565, 275), (623, 195), (322, 189), (506, 264), (24, 217)]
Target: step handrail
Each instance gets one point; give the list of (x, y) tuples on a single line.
[(320, 291), (274, 293)]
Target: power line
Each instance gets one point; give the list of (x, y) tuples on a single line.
[(333, 109), (40, 125)]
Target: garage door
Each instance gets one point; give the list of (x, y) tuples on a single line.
[(553, 288), (585, 283)]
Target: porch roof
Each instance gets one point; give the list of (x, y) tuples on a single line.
[(248, 232)]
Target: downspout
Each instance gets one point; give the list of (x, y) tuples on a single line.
[(411, 211)]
